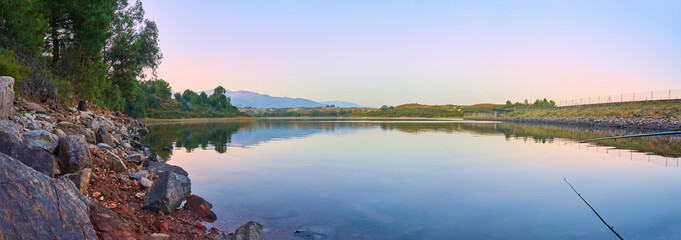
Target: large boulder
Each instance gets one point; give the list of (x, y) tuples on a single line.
[(73, 153), (6, 98), (41, 139), (181, 174), (36, 158), (159, 167), (249, 231), (165, 195), (36, 206), (81, 179), (108, 224)]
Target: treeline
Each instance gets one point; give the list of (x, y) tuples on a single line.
[(189, 104), (103, 51), (539, 103)]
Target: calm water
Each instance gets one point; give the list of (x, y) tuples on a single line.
[(427, 179)]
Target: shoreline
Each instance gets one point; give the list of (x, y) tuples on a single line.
[(628, 122)]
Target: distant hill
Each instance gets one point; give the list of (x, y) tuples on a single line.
[(243, 99)]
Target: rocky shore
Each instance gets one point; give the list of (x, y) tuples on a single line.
[(82, 173), (630, 122)]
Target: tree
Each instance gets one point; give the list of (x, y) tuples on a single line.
[(384, 107), (178, 96)]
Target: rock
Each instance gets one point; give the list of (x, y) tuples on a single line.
[(158, 167), (103, 146), (31, 106), (50, 98), (127, 146), (102, 122), (155, 157), (40, 207), (108, 224), (36, 158), (115, 163), (159, 236), (161, 225), (90, 136), (134, 158), (181, 174), (140, 174), (33, 125), (166, 149), (200, 207), (87, 115), (70, 128), (73, 153), (6, 98), (103, 136), (11, 128), (145, 182), (82, 105), (42, 116), (165, 195), (41, 139), (249, 231), (81, 179), (59, 132), (72, 109)]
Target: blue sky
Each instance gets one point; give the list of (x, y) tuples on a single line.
[(431, 52)]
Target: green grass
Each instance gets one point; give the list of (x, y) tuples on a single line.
[(635, 109)]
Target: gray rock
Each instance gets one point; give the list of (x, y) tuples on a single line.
[(145, 182), (6, 98), (140, 174), (249, 231), (87, 115), (90, 136), (33, 125), (102, 122), (103, 136), (159, 167), (11, 128), (81, 179), (36, 206), (41, 139), (36, 158), (104, 146), (72, 109), (134, 158), (165, 195), (115, 163), (73, 153)]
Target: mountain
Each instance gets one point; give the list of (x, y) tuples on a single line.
[(342, 104), (257, 100)]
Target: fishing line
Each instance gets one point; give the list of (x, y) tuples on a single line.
[(594, 210)]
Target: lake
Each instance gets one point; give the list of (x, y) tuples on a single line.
[(427, 178)]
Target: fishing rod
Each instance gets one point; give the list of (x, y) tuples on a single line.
[(594, 210), (633, 136)]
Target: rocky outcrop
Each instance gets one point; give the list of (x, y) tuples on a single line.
[(109, 225), (631, 122), (36, 158), (41, 139), (6, 98), (165, 195), (249, 231), (40, 207), (73, 153)]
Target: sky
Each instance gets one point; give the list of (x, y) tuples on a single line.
[(430, 52)]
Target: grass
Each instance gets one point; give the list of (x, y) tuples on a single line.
[(636, 109)]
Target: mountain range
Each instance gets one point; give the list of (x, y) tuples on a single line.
[(258, 100)]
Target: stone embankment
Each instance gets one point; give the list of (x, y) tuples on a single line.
[(82, 173), (643, 123)]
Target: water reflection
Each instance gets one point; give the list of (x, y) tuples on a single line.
[(219, 136)]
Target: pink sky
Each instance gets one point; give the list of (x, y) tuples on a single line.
[(435, 52)]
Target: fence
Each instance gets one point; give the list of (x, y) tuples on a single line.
[(623, 97)]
